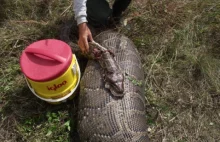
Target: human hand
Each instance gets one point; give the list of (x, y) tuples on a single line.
[(85, 35)]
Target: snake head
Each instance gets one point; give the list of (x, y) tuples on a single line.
[(115, 83), (118, 87)]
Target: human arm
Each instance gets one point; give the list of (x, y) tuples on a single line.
[(84, 36), (84, 32), (79, 8)]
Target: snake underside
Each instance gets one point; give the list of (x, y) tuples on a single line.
[(103, 117)]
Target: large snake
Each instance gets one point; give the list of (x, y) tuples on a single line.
[(103, 116)]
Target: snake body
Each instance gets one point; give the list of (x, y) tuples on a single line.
[(103, 117)]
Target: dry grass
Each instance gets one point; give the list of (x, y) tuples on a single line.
[(179, 44), (176, 40)]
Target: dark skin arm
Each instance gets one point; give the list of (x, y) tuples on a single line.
[(85, 36)]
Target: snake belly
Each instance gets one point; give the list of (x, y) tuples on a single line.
[(102, 117)]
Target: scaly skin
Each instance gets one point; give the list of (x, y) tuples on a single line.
[(103, 117), (112, 74)]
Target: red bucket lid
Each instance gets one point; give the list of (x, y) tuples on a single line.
[(45, 60)]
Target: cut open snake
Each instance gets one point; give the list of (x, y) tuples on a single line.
[(103, 115)]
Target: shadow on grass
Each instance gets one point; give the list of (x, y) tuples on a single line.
[(23, 109), (2, 12)]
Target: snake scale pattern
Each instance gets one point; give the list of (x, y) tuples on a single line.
[(103, 117)]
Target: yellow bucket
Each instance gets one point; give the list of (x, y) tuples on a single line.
[(51, 74)]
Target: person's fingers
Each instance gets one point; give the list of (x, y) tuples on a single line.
[(81, 45), (90, 37), (84, 37), (86, 45)]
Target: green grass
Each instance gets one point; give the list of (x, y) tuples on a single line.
[(24, 117), (179, 44)]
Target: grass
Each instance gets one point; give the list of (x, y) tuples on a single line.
[(179, 44)]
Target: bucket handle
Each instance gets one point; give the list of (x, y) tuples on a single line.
[(46, 53)]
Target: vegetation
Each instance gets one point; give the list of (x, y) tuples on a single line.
[(179, 42)]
